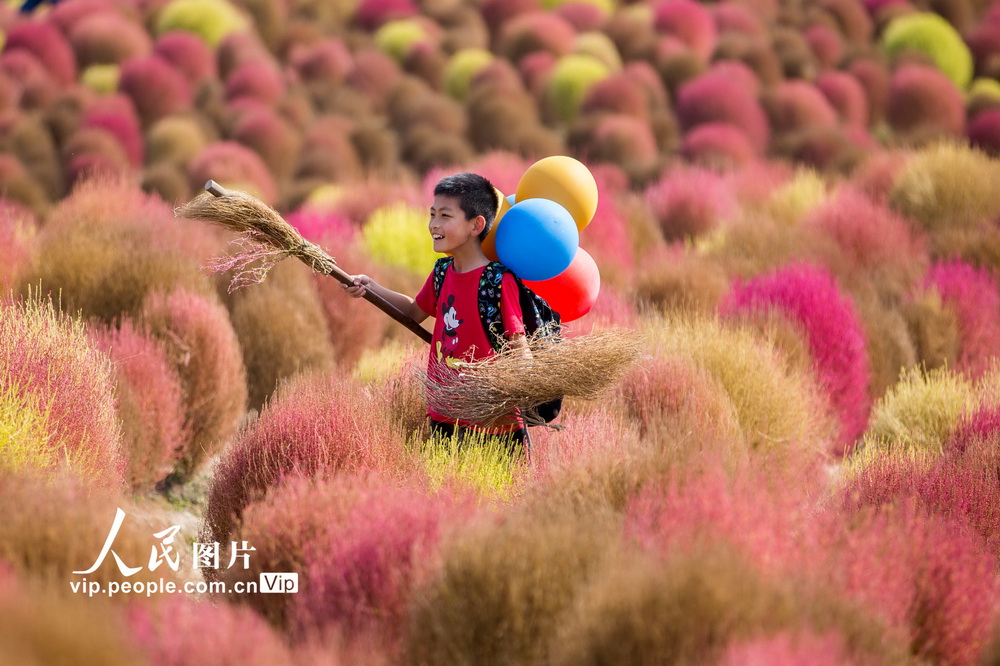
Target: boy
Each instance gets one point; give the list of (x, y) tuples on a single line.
[(461, 216)]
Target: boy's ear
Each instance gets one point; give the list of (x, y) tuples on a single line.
[(478, 224)]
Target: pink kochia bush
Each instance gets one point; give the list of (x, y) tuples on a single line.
[(984, 132), (320, 424), (156, 87), (689, 21), (810, 298), (975, 298), (364, 563), (170, 633), (689, 202), (150, 403), (17, 231), (49, 368), (188, 53), (201, 343), (713, 98), (960, 485), (45, 42), (872, 237)]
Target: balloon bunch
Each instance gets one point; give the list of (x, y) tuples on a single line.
[(537, 234)]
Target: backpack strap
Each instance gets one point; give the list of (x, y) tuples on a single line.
[(440, 267), (489, 303)]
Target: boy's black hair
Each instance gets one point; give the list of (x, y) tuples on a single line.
[(475, 195)]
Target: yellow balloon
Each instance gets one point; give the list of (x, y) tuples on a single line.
[(564, 180), (490, 242)]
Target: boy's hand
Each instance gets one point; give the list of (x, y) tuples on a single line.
[(360, 287)]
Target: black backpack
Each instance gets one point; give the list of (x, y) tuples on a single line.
[(539, 318)]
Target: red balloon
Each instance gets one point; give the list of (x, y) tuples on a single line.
[(573, 292)]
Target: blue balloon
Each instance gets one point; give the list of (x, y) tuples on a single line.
[(538, 239)]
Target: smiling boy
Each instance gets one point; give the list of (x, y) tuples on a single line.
[(461, 216)]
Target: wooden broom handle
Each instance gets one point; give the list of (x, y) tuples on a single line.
[(342, 276)]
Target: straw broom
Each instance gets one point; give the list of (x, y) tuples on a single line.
[(485, 392), (490, 390), (265, 239)]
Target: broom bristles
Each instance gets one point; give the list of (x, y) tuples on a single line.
[(489, 391), (265, 237)]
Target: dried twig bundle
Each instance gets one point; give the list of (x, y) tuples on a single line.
[(489, 391), (265, 237)]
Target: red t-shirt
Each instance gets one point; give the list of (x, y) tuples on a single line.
[(458, 330)]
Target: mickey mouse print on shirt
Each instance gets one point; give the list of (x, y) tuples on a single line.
[(449, 342)]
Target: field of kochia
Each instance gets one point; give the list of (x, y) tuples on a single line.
[(798, 213)]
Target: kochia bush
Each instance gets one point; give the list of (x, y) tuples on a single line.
[(810, 297), (61, 390)]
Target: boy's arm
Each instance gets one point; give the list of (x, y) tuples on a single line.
[(405, 304)]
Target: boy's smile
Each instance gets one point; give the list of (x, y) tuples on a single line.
[(450, 229)]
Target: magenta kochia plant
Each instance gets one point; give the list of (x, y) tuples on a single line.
[(872, 237), (123, 124), (149, 401), (960, 485), (188, 53), (975, 298), (810, 298), (690, 202), (718, 145), (321, 424), (200, 341), (364, 565), (56, 396), (713, 98), (984, 132), (169, 633), (156, 87), (44, 41), (689, 21), (17, 232)]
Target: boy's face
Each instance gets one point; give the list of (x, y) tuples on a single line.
[(449, 227)]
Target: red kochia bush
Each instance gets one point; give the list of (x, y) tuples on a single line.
[(535, 31), (259, 80), (846, 95), (169, 634), (150, 403), (810, 298), (797, 105), (789, 649), (871, 236), (46, 359), (712, 98), (108, 37), (718, 145), (200, 341), (44, 41), (233, 164), (188, 53), (123, 125), (371, 14), (690, 202), (984, 132), (975, 298), (689, 21), (363, 566), (924, 103), (17, 230), (156, 87), (321, 424)]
